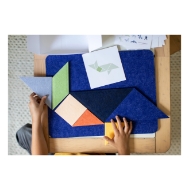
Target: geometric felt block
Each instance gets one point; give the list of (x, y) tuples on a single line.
[(60, 85), (41, 86), (136, 107), (70, 109), (109, 132), (101, 102), (86, 119), (59, 128)]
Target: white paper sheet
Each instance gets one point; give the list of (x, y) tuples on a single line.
[(159, 41), (103, 67), (162, 37), (154, 41), (134, 41)]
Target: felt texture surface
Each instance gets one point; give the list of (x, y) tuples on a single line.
[(138, 66), (87, 118), (136, 107), (143, 127), (60, 85), (101, 102), (59, 128), (70, 109), (41, 86)]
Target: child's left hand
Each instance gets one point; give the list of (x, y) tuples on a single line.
[(36, 106)]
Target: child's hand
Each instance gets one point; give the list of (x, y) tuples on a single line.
[(122, 136), (36, 106)]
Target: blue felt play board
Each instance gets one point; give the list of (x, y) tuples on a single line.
[(139, 68)]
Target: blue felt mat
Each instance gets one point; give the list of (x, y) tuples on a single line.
[(138, 67), (140, 73)]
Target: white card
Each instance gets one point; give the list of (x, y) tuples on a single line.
[(103, 67)]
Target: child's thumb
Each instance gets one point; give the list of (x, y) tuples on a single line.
[(43, 100)]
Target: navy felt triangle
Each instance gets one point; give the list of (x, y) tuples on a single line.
[(136, 107), (101, 102)]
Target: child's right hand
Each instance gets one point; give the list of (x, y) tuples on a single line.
[(122, 136)]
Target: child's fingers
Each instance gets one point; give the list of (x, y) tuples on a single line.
[(119, 125), (116, 132), (126, 125), (32, 96), (43, 101), (130, 127), (37, 98)]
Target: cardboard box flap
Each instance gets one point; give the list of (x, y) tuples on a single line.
[(57, 44)]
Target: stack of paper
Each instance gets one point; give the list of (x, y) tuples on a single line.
[(140, 41), (158, 41)]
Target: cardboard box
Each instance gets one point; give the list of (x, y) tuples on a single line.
[(63, 44), (69, 44)]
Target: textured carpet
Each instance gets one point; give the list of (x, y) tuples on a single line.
[(20, 63)]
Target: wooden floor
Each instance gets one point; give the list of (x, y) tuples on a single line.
[(175, 43)]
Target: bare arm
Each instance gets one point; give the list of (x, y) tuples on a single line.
[(38, 145)]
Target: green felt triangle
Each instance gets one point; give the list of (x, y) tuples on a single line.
[(60, 85)]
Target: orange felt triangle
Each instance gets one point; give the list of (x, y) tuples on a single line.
[(87, 118)]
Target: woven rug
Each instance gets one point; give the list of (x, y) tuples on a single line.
[(20, 63)]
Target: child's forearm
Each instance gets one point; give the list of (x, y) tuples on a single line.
[(39, 145)]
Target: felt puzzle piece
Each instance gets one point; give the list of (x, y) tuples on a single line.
[(70, 109), (59, 128), (41, 86), (136, 107), (101, 102), (109, 132), (60, 85), (87, 118)]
